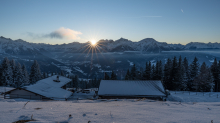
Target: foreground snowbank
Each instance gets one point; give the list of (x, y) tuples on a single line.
[(186, 96), (181, 107), (109, 111)]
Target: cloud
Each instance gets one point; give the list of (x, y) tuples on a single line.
[(61, 33), (182, 11)]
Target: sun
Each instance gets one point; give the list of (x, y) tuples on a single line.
[(93, 42)]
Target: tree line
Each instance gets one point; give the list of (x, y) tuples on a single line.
[(175, 74), (15, 75), (178, 74)]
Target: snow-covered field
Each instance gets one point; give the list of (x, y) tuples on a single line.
[(192, 109)]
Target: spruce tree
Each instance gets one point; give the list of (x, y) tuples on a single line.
[(1, 82), (157, 71), (184, 80), (174, 75), (215, 73), (180, 74), (6, 76), (106, 77), (25, 75), (153, 75), (76, 82), (113, 76), (203, 82), (160, 70), (167, 74), (127, 76), (18, 76), (194, 71), (133, 72), (218, 87), (186, 66), (147, 72), (35, 74), (13, 66)]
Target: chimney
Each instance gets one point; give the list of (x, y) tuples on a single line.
[(58, 79)]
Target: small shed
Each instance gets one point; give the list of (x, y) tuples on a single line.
[(131, 89), (43, 89)]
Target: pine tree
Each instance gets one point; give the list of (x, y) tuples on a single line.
[(186, 66), (160, 70), (167, 74), (184, 80), (1, 82), (35, 74), (174, 75), (25, 75), (13, 66), (157, 71), (215, 73), (76, 82), (194, 71), (186, 72), (127, 76), (203, 82), (113, 76), (106, 77), (153, 75), (180, 74), (218, 87), (133, 73), (18, 76), (147, 72), (6, 76)]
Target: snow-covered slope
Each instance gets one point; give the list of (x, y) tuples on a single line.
[(19, 47)]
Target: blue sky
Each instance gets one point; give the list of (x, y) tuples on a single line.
[(65, 21)]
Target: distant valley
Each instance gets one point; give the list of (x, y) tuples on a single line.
[(119, 55)]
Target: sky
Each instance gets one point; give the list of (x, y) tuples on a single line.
[(65, 21)]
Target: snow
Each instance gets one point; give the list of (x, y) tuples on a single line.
[(153, 62), (131, 88), (186, 96), (5, 89), (211, 60), (131, 63), (48, 88), (109, 111), (79, 70), (118, 62)]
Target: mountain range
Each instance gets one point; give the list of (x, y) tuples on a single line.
[(148, 45)]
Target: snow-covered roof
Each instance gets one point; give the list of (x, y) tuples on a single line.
[(48, 88), (131, 88)]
